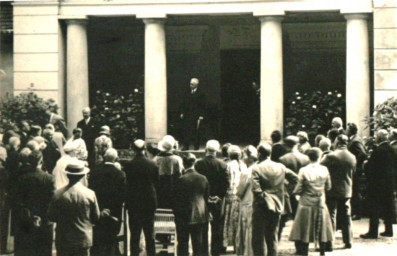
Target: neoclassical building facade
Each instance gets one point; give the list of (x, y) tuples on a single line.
[(56, 42)]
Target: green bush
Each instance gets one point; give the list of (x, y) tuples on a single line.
[(313, 112), (124, 115), (25, 106), (384, 115)]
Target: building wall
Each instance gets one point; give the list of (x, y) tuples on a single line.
[(385, 49)]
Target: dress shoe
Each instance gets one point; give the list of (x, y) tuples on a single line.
[(348, 246), (368, 236), (387, 234)]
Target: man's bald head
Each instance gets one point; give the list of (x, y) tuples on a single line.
[(381, 136), (86, 112), (111, 155), (264, 151)]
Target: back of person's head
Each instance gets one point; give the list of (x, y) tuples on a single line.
[(332, 134), (291, 141), (3, 154), (303, 137), (35, 130), (77, 132), (33, 145), (139, 146), (152, 149), (111, 155), (49, 126), (212, 146), (325, 144), (313, 154), (381, 135), (234, 152), (14, 142), (225, 148), (48, 133), (264, 151), (352, 129), (393, 135), (276, 136), (188, 160), (317, 139), (251, 152), (29, 158), (7, 135), (342, 140), (337, 122)]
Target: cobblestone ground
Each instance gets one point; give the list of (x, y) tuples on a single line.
[(361, 247)]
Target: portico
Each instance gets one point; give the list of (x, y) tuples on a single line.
[(66, 24)]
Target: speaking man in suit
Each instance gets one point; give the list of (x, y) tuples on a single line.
[(341, 165), (190, 208), (90, 131), (268, 188), (192, 112), (108, 183), (141, 198), (216, 172), (380, 171), (357, 148)]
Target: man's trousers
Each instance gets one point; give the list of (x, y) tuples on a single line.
[(216, 232), (195, 231), (341, 207), (265, 224), (137, 223), (33, 241)]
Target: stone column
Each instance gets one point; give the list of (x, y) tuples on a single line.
[(76, 70), (272, 98), (155, 80), (357, 71)]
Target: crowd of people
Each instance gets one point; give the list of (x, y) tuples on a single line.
[(245, 196)]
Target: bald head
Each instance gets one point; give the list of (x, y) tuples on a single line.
[(111, 155), (337, 122), (264, 151), (86, 112), (381, 136), (194, 82)]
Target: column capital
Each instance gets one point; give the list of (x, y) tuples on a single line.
[(80, 20), (356, 16), (271, 18), (270, 15)]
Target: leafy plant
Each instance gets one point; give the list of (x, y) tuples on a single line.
[(25, 106), (313, 112), (384, 115), (124, 115)]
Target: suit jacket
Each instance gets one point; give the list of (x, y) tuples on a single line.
[(268, 184), (294, 161), (108, 183), (216, 172), (51, 155), (191, 196), (341, 165), (380, 172), (59, 124), (194, 105), (142, 176), (278, 150), (33, 194), (357, 148), (90, 132)]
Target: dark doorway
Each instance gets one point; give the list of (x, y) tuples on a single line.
[(240, 101)]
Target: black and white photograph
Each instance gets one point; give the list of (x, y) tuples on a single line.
[(198, 127)]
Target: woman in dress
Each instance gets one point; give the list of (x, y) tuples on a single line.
[(235, 166), (312, 221), (244, 193)]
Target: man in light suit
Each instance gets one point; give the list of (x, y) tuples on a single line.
[(341, 165), (268, 188), (190, 209)]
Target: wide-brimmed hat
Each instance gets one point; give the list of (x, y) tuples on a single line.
[(76, 167), (166, 144)]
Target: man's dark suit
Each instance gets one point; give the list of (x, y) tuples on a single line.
[(193, 106), (33, 195), (108, 183), (141, 201), (191, 213), (341, 165), (380, 173), (357, 148), (90, 133), (51, 155), (278, 150), (216, 173), (268, 188)]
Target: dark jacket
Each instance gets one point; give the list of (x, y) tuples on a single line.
[(108, 183), (278, 150), (142, 176), (194, 105), (33, 195), (216, 172), (357, 148), (341, 165), (90, 132), (51, 155), (191, 196)]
